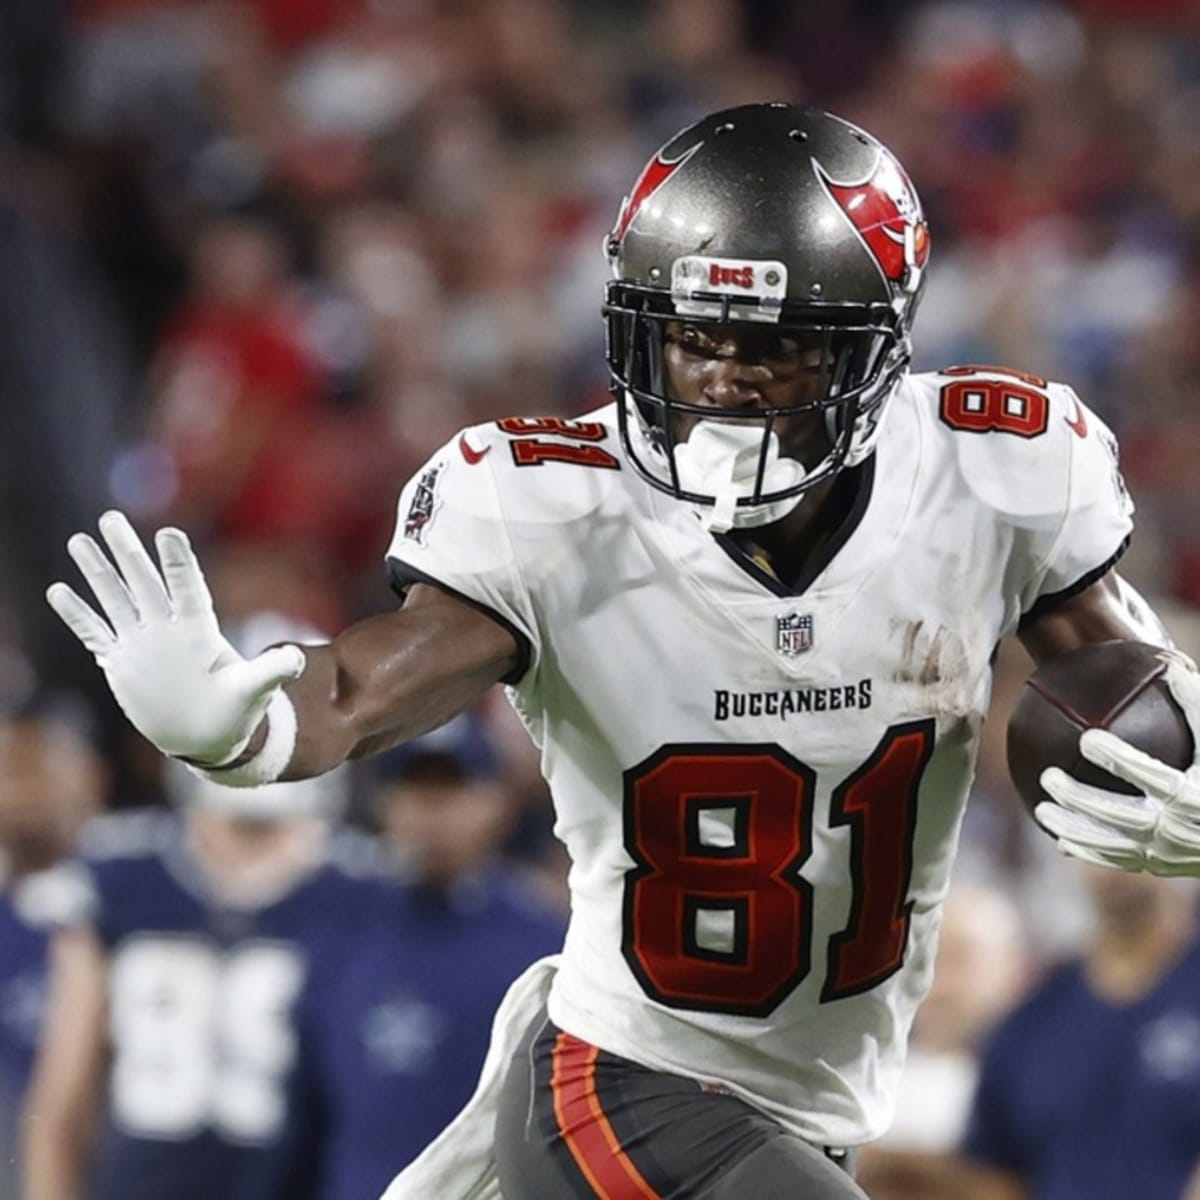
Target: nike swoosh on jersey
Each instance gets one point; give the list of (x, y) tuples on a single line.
[(1078, 422), (472, 455)]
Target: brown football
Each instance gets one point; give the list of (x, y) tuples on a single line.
[(1118, 686)]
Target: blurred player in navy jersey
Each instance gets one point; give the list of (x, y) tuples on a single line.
[(50, 782), (171, 1030), (170, 1062), (747, 610), (1091, 1088), (400, 1034)]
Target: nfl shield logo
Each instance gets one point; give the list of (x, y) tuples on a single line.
[(793, 634)]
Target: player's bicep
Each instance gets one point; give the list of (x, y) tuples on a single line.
[(1110, 609), (392, 677)]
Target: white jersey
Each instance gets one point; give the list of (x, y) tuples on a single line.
[(761, 791)]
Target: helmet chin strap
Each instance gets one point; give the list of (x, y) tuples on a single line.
[(722, 458)]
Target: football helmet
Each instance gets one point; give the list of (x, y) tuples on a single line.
[(793, 222)]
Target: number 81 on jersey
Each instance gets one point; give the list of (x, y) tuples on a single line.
[(717, 915)]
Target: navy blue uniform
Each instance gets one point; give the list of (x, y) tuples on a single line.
[(23, 966), (203, 1098), (1086, 1100), (401, 1034), (24, 942)]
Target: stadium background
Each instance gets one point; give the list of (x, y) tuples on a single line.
[(259, 257)]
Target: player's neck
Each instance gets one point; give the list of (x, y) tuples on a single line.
[(252, 864), (1123, 965), (788, 546)]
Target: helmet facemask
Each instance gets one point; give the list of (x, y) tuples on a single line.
[(859, 355), (765, 221)]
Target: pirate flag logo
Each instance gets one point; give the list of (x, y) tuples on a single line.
[(885, 210)]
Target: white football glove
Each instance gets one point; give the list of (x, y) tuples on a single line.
[(1158, 831), (156, 639)]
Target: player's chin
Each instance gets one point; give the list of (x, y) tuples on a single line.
[(805, 440)]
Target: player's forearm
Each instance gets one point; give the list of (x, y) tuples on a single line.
[(392, 677), (52, 1158)]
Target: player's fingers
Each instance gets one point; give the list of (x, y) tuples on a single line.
[(181, 569), (1135, 814), (268, 670), (107, 586), (1075, 827), (1173, 654), (1186, 806), (141, 575), (1119, 758), (1180, 829), (1184, 681), (1071, 827), (1114, 862), (1163, 859), (80, 619), (1184, 868), (1061, 822)]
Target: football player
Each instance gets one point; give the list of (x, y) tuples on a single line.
[(170, 1061), (397, 1037), (1089, 1087), (52, 782), (747, 610)]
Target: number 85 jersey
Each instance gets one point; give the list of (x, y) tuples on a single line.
[(760, 786)]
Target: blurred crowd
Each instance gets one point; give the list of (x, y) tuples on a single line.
[(259, 258)]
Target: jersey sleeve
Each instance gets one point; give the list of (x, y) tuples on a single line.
[(1097, 511), (1047, 468), (451, 532)]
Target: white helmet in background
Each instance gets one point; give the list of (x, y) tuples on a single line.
[(324, 797)]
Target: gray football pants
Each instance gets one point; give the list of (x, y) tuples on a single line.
[(576, 1123)]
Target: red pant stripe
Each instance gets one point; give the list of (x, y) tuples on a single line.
[(585, 1128)]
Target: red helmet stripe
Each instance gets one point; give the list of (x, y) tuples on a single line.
[(655, 173), (882, 208)]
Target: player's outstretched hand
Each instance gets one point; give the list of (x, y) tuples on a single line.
[(156, 639), (1157, 831)]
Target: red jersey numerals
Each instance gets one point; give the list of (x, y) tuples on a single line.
[(743, 888), (879, 803), (581, 448), (1014, 404), (717, 915)]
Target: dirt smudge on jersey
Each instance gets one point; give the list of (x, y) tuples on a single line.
[(934, 668), (920, 656)]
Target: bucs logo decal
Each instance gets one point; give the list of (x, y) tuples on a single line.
[(424, 504), (885, 210), (655, 173)]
